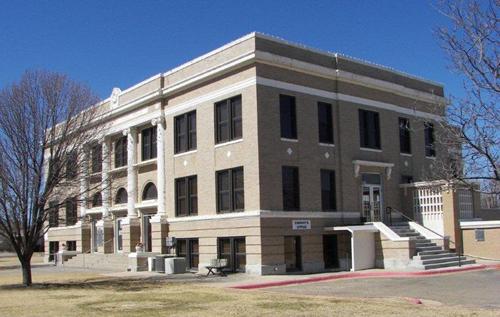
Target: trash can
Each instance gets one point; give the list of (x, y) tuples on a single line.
[(151, 264)]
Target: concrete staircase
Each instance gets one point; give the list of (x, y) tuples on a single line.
[(99, 261), (429, 255)]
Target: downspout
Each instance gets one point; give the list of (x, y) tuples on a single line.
[(338, 145)]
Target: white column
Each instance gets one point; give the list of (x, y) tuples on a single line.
[(106, 183), (84, 189), (160, 164), (131, 177)]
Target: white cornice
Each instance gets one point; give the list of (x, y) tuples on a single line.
[(480, 224)]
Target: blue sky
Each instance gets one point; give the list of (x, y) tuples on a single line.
[(110, 44)]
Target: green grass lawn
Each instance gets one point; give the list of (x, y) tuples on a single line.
[(88, 294)]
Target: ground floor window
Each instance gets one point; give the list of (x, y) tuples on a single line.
[(234, 250), (189, 249), (293, 259), (71, 245)]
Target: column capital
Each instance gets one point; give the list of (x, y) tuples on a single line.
[(158, 121), (128, 131)]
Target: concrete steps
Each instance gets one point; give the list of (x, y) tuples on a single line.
[(429, 255)]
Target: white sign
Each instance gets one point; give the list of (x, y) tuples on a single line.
[(301, 224)]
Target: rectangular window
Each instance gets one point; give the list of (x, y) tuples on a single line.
[(148, 143), (288, 118), (234, 250), (71, 245), (328, 195), (189, 249), (230, 190), (430, 150), (325, 123), (185, 132), (228, 120), (290, 183), (53, 214), (406, 179), (71, 213), (404, 136), (369, 129), (121, 152), (96, 154), (71, 165), (186, 196)]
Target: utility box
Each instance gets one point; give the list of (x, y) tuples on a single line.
[(160, 263), (175, 265)]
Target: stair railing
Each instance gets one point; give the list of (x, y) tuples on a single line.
[(389, 210)]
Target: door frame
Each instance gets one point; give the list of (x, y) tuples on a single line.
[(371, 188), (146, 234), (117, 230)]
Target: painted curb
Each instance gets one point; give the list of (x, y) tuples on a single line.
[(352, 275)]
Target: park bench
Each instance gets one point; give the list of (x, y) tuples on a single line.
[(217, 266)]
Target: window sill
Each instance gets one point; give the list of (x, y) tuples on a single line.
[(95, 174), (430, 157), (326, 144), (406, 154), (228, 143), (144, 163), (185, 153), (289, 140), (119, 169), (370, 149)]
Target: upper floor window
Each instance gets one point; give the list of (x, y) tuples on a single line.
[(404, 136), (406, 179), (53, 214), (71, 165), (71, 211), (230, 190), (121, 196), (325, 123), (369, 129), (290, 187), (121, 152), (148, 143), (186, 196), (328, 195), (288, 118), (228, 120), (97, 200), (185, 132), (96, 155), (430, 150), (149, 192)]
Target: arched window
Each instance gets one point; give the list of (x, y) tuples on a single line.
[(97, 200), (121, 196), (149, 192)]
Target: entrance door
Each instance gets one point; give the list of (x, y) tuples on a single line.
[(372, 203), (146, 233), (53, 249), (234, 250), (293, 259), (330, 251), (119, 235), (93, 232)]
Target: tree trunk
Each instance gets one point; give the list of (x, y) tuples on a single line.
[(26, 267)]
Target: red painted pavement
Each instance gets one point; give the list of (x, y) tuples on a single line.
[(350, 275)]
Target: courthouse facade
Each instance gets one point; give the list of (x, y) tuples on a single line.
[(250, 153)]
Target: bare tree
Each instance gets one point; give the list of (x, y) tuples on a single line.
[(472, 125), (46, 122)]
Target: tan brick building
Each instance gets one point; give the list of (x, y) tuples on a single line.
[(249, 152)]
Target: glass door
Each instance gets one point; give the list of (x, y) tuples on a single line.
[(146, 233), (372, 203), (119, 235)]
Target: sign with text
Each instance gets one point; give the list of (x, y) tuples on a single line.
[(301, 224)]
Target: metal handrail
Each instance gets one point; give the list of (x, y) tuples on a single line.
[(389, 210)]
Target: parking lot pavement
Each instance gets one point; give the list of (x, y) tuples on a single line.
[(479, 288)]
